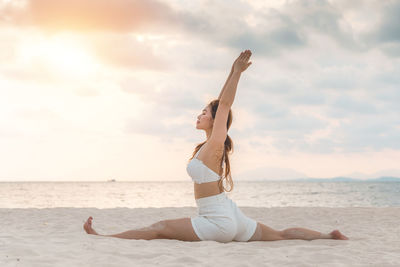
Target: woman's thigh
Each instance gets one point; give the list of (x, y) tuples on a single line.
[(265, 233), (180, 229)]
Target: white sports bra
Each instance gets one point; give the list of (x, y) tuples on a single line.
[(199, 172)]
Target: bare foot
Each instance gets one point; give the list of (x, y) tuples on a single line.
[(88, 226), (338, 235)]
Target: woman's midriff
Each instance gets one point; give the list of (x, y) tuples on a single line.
[(206, 189)]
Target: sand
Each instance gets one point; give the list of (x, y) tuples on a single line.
[(55, 237)]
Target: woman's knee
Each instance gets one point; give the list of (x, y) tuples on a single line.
[(180, 229), (257, 235), (265, 233), (157, 228)]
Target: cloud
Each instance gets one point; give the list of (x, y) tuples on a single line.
[(38, 121), (233, 24), (130, 53), (296, 24), (267, 43), (89, 15), (345, 106), (302, 98), (289, 126), (388, 30), (36, 72), (6, 132), (155, 122), (270, 33), (170, 112), (290, 27), (336, 81), (87, 91), (8, 43), (370, 133), (381, 18)]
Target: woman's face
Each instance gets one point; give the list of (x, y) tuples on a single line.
[(205, 120)]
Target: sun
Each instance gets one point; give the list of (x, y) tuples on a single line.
[(61, 55)]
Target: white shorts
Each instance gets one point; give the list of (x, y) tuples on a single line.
[(221, 220)]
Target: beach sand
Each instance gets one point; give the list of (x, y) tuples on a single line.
[(55, 237)]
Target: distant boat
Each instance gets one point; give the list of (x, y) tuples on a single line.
[(111, 180)]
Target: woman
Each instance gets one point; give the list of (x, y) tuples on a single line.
[(219, 217)]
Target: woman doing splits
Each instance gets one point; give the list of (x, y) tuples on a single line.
[(219, 218)]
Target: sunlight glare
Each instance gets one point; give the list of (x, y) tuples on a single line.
[(63, 56)]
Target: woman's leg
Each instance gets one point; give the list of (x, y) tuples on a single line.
[(265, 233), (180, 229)]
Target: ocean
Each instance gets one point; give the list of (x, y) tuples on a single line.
[(180, 194)]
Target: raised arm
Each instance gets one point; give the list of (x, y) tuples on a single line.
[(226, 82), (228, 93), (226, 97)]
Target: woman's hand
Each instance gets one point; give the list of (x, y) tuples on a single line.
[(242, 62)]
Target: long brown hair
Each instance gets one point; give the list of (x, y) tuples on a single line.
[(228, 148)]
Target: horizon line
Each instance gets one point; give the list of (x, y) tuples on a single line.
[(337, 178)]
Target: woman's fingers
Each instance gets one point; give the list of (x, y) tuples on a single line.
[(246, 55), (243, 58), (242, 55)]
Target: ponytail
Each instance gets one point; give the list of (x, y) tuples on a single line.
[(228, 148)]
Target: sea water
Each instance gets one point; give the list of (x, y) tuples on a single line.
[(180, 194)]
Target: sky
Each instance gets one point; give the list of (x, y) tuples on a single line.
[(95, 90)]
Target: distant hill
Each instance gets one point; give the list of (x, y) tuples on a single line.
[(348, 179), (387, 179), (264, 173)]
